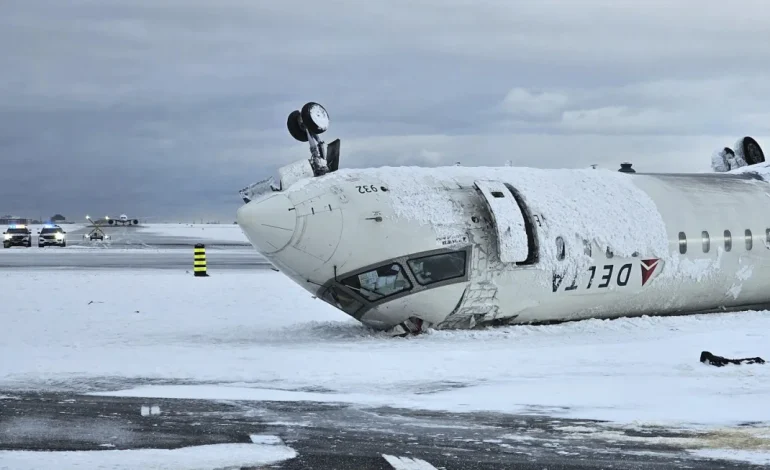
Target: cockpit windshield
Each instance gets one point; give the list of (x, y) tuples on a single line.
[(436, 268), (50, 230), (17, 231), (378, 283)]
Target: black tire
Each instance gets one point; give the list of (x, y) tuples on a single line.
[(752, 152), (295, 126), (63, 244), (315, 118)]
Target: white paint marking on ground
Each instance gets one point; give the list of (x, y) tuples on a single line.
[(407, 463)]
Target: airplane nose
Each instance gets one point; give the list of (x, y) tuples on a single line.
[(268, 223)]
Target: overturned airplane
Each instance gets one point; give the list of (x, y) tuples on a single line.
[(406, 248)]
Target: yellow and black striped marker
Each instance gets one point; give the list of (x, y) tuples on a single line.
[(199, 261)]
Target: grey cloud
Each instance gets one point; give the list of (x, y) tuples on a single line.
[(169, 107)]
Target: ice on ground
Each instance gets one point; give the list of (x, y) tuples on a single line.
[(217, 232), (198, 457), (257, 335), (748, 456)]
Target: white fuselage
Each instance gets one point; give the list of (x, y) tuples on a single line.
[(461, 246)]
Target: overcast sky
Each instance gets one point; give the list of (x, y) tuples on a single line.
[(167, 107)]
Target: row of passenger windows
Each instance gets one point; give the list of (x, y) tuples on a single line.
[(748, 240), (390, 279)]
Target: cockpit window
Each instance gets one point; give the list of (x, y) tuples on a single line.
[(379, 283), (339, 298), (50, 230), (437, 268), (17, 231)]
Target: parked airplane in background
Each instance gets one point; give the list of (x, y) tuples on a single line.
[(122, 220), (403, 248)]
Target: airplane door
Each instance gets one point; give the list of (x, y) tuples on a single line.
[(512, 240)]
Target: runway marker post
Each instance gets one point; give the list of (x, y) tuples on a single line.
[(199, 261)]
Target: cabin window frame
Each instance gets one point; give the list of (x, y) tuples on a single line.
[(561, 248), (705, 241), (749, 239)]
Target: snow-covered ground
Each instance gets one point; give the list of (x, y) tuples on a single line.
[(198, 457), (259, 336), (220, 232)]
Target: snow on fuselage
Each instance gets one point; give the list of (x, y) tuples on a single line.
[(464, 246)]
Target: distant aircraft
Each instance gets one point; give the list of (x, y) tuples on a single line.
[(404, 248), (122, 220)]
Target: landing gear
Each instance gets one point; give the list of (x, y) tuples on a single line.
[(305, 126)]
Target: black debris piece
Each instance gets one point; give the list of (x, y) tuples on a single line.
[(719, 361)]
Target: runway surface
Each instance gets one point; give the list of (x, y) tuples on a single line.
[(148, 258), (333, 436), (130, 248), (137, 237)]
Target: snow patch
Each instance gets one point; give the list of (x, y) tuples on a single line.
[(256, 335), (748, 456), (744, 273), (208, 456), (266, 440)]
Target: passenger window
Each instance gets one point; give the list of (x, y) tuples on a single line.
[(706, 241), (749, 240), (728, 241), (682, 243), (436, 268), (561, 250), (379, 283), (587, 247)]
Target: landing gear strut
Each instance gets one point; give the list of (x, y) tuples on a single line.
[(305, 126)]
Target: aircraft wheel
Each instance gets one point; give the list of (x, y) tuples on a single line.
[(315, 118), (751, 150), (295, 126)]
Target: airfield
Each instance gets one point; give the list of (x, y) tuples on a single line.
[(115, 356)]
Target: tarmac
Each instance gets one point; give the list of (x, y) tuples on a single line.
[(325, 436)]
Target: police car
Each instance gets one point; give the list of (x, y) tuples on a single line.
[(51, 235), (17, 235)]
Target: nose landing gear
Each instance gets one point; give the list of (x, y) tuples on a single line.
[(306, 125)]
